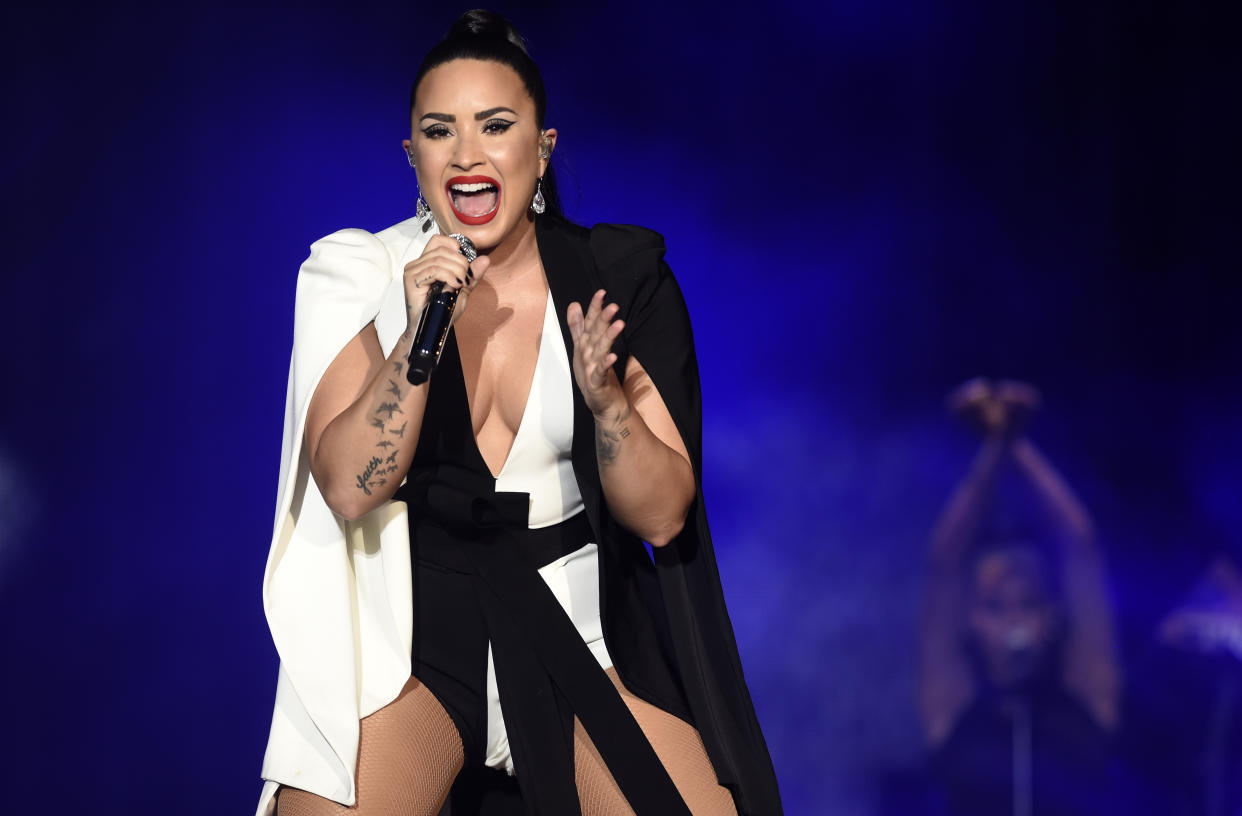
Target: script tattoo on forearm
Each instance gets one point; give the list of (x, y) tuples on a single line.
[(608, 440), (367, 473), (376, 473)]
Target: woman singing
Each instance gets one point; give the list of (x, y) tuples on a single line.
[(457, 579)]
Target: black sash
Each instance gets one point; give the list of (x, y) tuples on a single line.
[(544, 671)]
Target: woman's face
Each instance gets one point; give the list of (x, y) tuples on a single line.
[(1012, 617), (476, 146)]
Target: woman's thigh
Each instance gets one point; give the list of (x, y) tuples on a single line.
[(676, 743), (409, 753)]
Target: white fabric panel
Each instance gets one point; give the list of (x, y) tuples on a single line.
[(539, 464)]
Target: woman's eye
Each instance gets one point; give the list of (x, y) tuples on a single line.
[(435, 132), (497, 125)]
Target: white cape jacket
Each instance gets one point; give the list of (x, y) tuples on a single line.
[(337, 594)]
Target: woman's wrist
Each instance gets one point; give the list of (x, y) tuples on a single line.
[(614, 411)]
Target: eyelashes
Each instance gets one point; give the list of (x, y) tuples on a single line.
[(491, 126)]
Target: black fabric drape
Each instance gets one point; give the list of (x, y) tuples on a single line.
[(664, 621), (671, 613)]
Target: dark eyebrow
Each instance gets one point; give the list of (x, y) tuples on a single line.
[(481, 115), (439, 117)]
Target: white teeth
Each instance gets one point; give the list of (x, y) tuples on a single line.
[(473, 188)]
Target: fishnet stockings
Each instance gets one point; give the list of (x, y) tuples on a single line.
[(409, 753), (676, 743)]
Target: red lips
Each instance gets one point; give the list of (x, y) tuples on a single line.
[(476, 199)]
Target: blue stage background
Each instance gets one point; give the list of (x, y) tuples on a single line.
[(903, 195)]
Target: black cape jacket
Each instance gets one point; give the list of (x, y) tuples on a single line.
[(674, 601)]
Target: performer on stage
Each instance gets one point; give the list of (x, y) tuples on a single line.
[(457, 578), (1019, 684)]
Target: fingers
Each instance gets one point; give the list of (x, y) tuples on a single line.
[(476, 270), (1013, 392), (596, 323), (441, 262), (969, 394), (441, 258), (593, 334), (596, 304)]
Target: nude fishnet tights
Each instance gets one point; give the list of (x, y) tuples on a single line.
[(676, 743), (409, 753)]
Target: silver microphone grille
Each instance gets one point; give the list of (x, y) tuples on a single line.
[(466, 246)]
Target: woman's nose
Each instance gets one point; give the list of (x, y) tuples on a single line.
[(468, 152)]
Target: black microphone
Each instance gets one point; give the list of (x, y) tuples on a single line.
[(433, 324)]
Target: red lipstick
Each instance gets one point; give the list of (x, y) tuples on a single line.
[(474, 200)]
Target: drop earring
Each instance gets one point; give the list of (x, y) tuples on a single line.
[(538, 205), (421, 210)]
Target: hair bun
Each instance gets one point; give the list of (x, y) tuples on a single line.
[(484, 24)]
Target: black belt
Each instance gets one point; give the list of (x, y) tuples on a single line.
[(544, 671)]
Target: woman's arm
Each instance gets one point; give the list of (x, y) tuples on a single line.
[(945, 683), (363, 420), (362, 424), (644, 466), (1091, 667)]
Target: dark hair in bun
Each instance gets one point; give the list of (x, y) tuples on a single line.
[(485, 35)]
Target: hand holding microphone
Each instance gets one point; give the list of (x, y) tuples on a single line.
[(433, 285)]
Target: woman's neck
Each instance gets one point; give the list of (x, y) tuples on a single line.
[(515, 259)]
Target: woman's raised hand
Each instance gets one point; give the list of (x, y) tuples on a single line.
[(441, 261), (995, 409), (593, 335)]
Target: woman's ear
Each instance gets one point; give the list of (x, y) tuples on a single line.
[(547, 143)]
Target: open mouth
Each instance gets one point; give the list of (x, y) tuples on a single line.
[(474, 199)]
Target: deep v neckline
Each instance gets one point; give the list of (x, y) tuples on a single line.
[(534, 380)]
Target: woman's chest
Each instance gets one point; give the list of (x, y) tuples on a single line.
[(500, 357)]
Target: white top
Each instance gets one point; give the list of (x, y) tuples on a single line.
[(337, 594), (539, 464)]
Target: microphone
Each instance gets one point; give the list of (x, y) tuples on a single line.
[(434, 322)]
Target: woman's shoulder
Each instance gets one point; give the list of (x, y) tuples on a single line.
[(353, 251), (345, 251), (611, 244)]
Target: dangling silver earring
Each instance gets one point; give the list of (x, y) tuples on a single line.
[(421, 210), (538, 205)]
